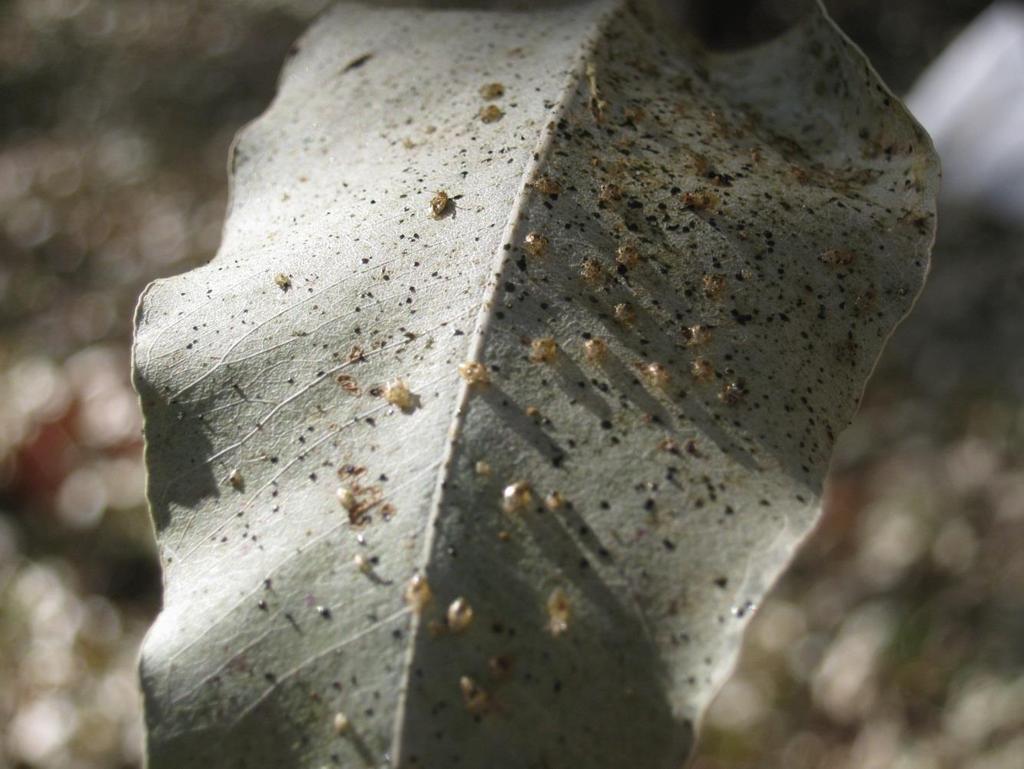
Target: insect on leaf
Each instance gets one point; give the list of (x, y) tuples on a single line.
[(513, 385)]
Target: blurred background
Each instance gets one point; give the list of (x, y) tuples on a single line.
[(897, 639)]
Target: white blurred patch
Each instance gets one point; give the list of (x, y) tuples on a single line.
[(41, 728), (740, 705), (971, 100), (845, 685)]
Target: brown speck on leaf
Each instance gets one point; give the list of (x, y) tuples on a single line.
[(554, 501), (283, 281), (696, 335), (491, 113), (533, 413), (713, 286), (732, 393), (628, 255), (836, 257), (492, 91), (358, 500), (474, 373), (418, 593), (236, 480), (609, 193), (702, 370), (516, 497), (440, 204), (483, 468), (473, 696), (624, 314), (397, 393), (591, 271), (595, 349), (543, 350), (535, 244), (459, 615), (559, 612), (700, 200), (347, 498), (362, 563), (546, 185), (668, 445), (356, 354), (348, 384), (341, 724), (656, 374)]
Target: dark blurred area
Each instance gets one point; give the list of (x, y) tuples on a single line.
[(115, 121), (897, 640), (900, 38)]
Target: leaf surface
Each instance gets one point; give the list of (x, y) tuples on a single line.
[(676, 270)]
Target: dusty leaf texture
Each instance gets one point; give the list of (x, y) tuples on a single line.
[(513, 384)]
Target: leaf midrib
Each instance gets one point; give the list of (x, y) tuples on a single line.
[(537, 159)]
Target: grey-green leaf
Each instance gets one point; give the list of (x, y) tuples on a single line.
[(672, 272)]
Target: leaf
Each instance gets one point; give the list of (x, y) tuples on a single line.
[(676, 270)]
